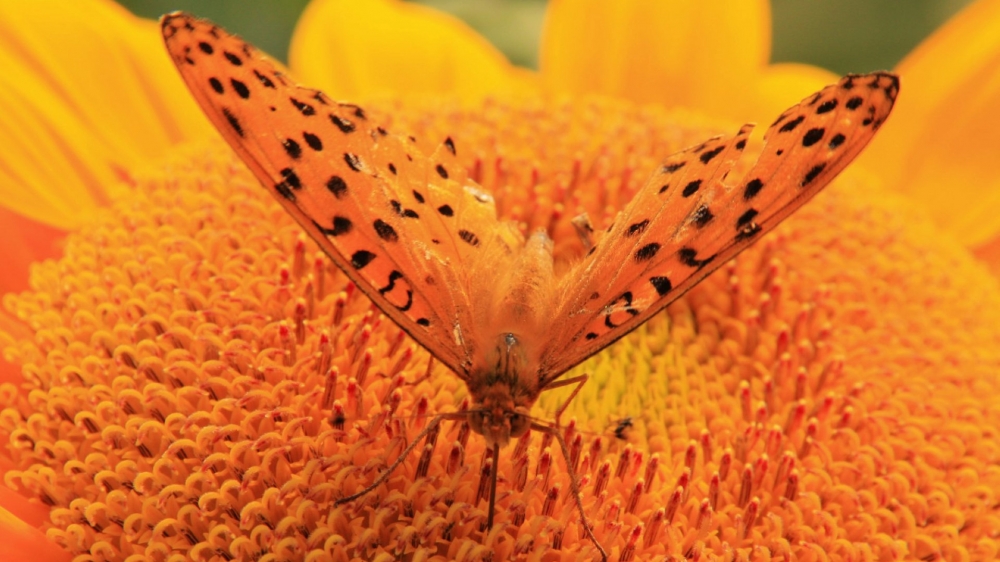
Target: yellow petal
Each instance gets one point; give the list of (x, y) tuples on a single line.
[(941, 144), (780, 86), (355, 49), (87, 94), (691, 53)]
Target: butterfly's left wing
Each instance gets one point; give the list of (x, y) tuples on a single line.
[(687, 221), (403, 227)]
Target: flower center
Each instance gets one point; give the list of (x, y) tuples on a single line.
[(203, 381)]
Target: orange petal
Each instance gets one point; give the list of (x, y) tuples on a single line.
[(941, 145), (358, 49), (25, 543), (691, 53), (87, 93), (24, 241), (989, 253)]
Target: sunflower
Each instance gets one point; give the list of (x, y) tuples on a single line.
[(193, 379)]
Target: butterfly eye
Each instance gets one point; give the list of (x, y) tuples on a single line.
[(519, 424), (477, 419)]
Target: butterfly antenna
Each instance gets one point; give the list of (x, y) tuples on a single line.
[(553, 429), (574, 485), (402, 456)]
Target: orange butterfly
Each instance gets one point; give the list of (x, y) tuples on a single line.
[(413, 231)]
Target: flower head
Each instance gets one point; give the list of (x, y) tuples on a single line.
[(199, 380)]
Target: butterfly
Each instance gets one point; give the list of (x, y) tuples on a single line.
[(424, 242)]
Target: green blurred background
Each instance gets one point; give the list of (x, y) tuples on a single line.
[(841, 35)]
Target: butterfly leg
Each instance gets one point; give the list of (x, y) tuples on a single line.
[(578, 381), (402, 456), (555, 433), (585, 230)]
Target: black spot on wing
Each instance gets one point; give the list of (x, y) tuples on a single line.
[(812, 173), (233, 121), (450, 145), (304, 108), (671, 168), (216, 85), (748, 231), (341, 226), (286, 192), (405, 213), (292, 149), (355, 110), (691, 188), (707, 156), (646, 252), (206, 48), (689, 257), (385, 231), (337, 186), (626, 305), (353, 161), (240, 88), (446, 210), (470, 238), (361, 258), (827, 106), (291, 178), (394, 276), (752, 188), (746, 218), (836, 141), (344, 125), (637, 228), (813, 136), (702, 216), (264, 80), (854, 103), (233, 59), (441, 171), (790, 126), (313, 141), (661, 284), (321, 98)]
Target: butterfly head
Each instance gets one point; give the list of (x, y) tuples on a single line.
[(498, 417)]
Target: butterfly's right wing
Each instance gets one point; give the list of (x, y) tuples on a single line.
[(392, 219), (687, 221)]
